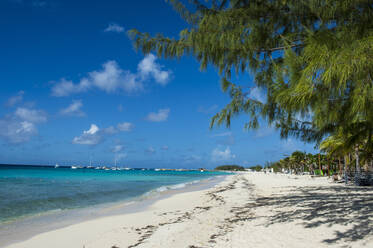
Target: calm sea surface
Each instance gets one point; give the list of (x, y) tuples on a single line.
[(27, 191)]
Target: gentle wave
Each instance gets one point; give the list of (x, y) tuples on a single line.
[(27, 191), (177, 186)]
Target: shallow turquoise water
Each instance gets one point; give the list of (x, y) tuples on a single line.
[(26, 191)]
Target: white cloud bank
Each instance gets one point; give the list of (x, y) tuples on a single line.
[(111, 78), (218, 155), (74, 109), (161, 115), (21, 125)]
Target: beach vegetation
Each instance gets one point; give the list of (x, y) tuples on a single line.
[(256, 168), (311, 59), (230, 168)]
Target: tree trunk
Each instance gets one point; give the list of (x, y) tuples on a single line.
[(346, 169), (357, 165), (340, 166), (319, 164), (328, 167)]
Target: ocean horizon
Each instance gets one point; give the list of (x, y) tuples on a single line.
[(29, 190)]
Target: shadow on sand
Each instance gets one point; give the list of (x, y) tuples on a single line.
[(315, 206)]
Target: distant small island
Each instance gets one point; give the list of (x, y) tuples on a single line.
[(230, 168)]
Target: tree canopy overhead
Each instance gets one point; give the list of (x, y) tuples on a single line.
[(312, 58)]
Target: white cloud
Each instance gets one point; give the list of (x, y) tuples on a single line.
[(114, 27), (93, 136), (159, 116), (15, 131), (117, 148), (66, 88), (31, 115), (150, 150), (93, 130), (257, 94), (110, 130), (222, 155), (149, 68), (125, 126), (111, 78), (15, 99), (20, 126), (74, 109)]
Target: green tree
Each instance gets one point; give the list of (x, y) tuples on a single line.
[(230, 168), (311, 162), (312, 58), (256, 168), (298, 160)]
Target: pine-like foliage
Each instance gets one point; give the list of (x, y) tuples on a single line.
[(312, 57)]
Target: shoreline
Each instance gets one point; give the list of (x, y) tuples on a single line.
[(244, 210), (27, 227)]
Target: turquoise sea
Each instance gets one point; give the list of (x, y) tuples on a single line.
[(32, 190)]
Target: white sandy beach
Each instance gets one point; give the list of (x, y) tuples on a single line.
[(245, 210)]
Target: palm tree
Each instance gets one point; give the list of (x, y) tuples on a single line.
[(334, 146)]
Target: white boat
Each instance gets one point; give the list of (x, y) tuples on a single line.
[(56, 166), (157, 169), (74, 167)]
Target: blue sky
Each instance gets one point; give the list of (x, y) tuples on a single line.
[(73, 88)]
